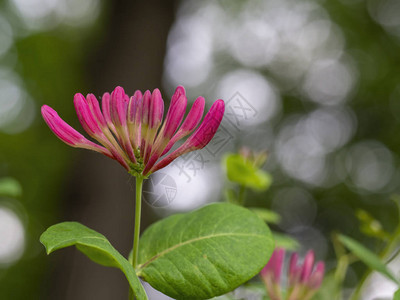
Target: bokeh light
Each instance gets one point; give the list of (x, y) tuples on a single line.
[(12, 236), (46, 14), (16, 108), (252, 86), (370, 166)]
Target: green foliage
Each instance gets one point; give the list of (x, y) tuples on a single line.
[(204, 253), (93, 245), (266, 215), (10, 187), (243, 172), (370, 226), (285, 241), (368, 257), (328, 289), (396, 295)]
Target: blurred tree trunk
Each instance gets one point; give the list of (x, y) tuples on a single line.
[(101, 192)]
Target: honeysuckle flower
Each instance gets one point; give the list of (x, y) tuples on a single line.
[(271, 274), (303, 279), (131, 129)]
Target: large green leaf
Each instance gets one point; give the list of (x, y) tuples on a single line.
[(204, 253), (368, 257), (245, 173), (92, 244)]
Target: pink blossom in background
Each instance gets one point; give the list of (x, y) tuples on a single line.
[(303, 279)]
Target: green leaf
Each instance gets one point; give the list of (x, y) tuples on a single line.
[(266, 215), (396, 295), (205, 253), (92, 244), (245, 173), (10, 187), (368, 257), (285, 241)]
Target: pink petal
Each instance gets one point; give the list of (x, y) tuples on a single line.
[(199, 139), (206, 131), (105, 106), (174, 117), (146, 111), (95, 108), (92, 127), (317, 276), (192, 120), (133, 107), (308, 265), (134, 118), (294, 270), (155, 120), (179, 91), (156, 109), (118, 107), (68, 134), (173, 120), (108, 139), (86, 118), (275, 265)]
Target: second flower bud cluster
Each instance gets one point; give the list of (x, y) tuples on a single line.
[(303, 279)]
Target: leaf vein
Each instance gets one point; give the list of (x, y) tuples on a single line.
[(166, 251)]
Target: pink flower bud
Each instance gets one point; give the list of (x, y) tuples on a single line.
[(303, 281), (179, 91), (134, 118), (294, 270), (95, 109), (155, 115), (308, 265), (86, 118), (192, 120), (68, 134), (156, 109), (317, 276), (199, 139), (105, 105), (119, 107), (274, 265)]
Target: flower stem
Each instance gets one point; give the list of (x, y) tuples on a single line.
[(389, 249), (242, 191), (138, 209)]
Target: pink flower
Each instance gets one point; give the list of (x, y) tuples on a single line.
[(130, 129), (271, 274), (304, 279)]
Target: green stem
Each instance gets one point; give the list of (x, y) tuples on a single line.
[(242, 191), (138, 211), (138, 208), (390, 247)]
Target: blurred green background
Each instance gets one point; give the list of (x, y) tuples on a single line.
[(315, 83)]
